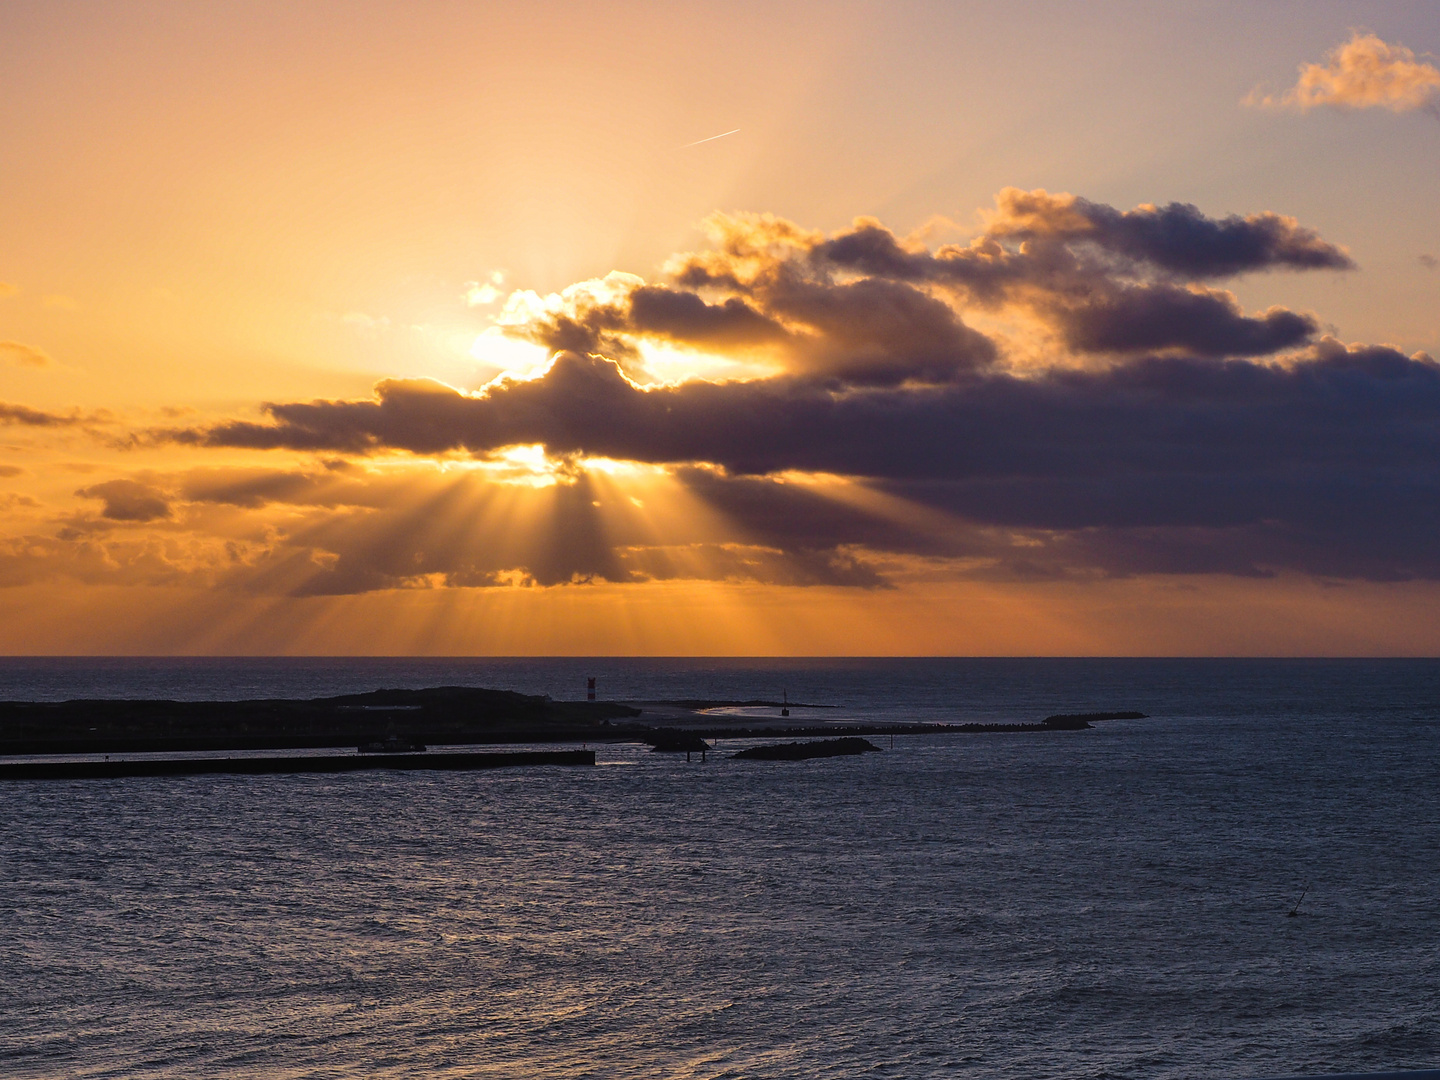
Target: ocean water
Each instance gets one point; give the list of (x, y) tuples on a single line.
[(1106, 903)]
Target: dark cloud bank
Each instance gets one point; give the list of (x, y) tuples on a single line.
[(128, 500), (23, 414), (1172, 451)]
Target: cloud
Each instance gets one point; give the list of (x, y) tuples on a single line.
[(598, 321), (586, 405), (1203, 322), (1177, 238), (1101, 280), (1427, 261), (866, 308), (1154, 426), (252, 488), (1363, 73), (128, 500), (867, 332), (1332, 460), (484, 293), (24, 355), (805, 567), (23, 414), (11, 470), (133, 559)]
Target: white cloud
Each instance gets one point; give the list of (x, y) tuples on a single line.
[(1363, 73)]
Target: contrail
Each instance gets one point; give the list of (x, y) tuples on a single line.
[(712, 138)]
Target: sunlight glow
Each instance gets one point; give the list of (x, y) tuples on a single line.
[(666, 364), (528, 466), (612, 467), (525, 306), (499, 356)]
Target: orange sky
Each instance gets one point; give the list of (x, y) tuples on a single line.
[(1130, 353)]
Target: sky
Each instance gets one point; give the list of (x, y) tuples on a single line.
[(719, 328)]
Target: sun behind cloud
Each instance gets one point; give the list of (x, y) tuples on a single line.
[(1164, 430)]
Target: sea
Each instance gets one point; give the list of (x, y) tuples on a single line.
[(1246, 883)]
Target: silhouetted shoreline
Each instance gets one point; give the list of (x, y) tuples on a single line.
[(804, 751), (446, 715)]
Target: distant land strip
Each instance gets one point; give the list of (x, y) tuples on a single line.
[(698, 704), (443, 716), (838, 730), (1059, 722), (436, 716)]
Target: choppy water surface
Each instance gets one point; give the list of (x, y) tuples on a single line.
[(1101, 903)]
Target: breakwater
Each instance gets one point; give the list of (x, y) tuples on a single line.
[(798, 751), (256, 766), (671, 738)]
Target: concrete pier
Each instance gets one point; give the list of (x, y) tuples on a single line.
[(255, 766)]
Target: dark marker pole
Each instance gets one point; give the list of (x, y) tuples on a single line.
[(1294, 911)]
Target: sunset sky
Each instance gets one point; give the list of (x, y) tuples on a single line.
[(720, 328)]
